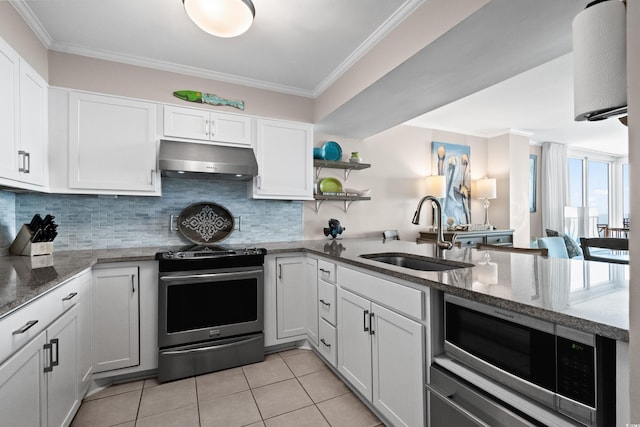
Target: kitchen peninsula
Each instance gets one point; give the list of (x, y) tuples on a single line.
[(549, 289)]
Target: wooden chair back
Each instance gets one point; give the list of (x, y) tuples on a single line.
[(611, 243), (530, 251)]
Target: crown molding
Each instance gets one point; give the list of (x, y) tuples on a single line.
[(27, 15), (380, 33)]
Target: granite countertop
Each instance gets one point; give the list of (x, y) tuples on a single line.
[(585, 295)]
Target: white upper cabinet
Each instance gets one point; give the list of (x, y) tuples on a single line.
[(203, 125), (9, 107), (112, 145), (285, 161), (23, 122), (33, 126)]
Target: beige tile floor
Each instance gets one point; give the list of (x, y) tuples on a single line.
[(291, 388)]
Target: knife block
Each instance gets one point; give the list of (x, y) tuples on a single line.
[(22, 244)]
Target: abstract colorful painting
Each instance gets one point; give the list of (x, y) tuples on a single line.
[(454, 162)]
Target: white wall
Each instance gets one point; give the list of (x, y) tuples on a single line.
[(508, 163), (400, 159)]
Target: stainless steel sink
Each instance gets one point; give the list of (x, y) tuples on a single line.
[(416, 262)]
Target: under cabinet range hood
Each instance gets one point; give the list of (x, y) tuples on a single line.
[(193, 160)]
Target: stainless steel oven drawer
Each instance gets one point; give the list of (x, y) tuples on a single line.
[(195, 359)]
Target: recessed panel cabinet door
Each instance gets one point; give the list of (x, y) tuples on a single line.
[(285, 161), (398, 365), (112, 143), (9, 69), (115, 341), (290, 296), (23, 391), (354, 341)]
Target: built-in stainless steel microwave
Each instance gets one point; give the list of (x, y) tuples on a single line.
[(569, 371)]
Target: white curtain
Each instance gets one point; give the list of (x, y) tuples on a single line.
[(554, 185)]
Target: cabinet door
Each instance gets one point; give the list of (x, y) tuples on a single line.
[(112, 143), (62, 382), (23, 398), (186, 123), (285, 161), (233, 129), (84, 332), (290, 296), (115, 342), (9, 81), (33, 126), (354, 341), (398, 365), (311, 300)]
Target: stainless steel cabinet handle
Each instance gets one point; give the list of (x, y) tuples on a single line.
[(153, 176), (21, 160), (325, 343), (24, 327), (70, 296), (365, 315), (328, 304), (46, 347), (371, 331), (324, 271), (279, 271), (52, 362), (133, 283), (27, 158), (56, 342), (206, 127), (212, 127)]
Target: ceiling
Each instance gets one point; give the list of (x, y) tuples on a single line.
[(301, 47)]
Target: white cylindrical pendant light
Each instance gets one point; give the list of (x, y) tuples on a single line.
[(600, 61), (222, 18)]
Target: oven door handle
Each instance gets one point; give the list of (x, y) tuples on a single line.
[(211, 347), (209, 276)]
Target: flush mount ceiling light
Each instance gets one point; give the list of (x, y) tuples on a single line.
[(222, 18)]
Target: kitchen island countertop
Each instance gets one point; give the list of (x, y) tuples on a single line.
[(585, 295)]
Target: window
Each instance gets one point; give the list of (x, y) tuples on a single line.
[(595, 194)]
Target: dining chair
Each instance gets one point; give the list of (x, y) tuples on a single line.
[(602, 229), (610, 243), (500, 248)]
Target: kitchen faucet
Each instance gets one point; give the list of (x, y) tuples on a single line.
[(440, 242)]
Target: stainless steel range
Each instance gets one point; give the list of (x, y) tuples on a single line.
[(210, 310)]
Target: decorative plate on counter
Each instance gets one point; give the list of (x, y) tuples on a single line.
[(205, 223)]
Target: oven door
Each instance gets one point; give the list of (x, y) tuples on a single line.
[(199, 306)]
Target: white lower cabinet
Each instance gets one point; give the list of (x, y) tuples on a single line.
[(327, 337), (116, 333), (295, 288), (39, 383), (381, 354)]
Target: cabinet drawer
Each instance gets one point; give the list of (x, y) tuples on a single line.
[(403, 299), (19, 327), (327, 336), (327, 301), (503, 239), (327, 271), (469, 242)]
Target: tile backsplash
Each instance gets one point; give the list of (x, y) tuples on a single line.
[(98, 222)]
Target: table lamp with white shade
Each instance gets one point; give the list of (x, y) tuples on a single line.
[(485, 189)]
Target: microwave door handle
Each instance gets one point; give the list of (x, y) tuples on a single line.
[(205, 277)]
